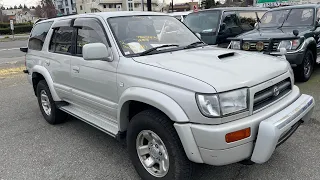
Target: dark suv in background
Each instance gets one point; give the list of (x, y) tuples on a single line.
[(294, 28), (218, 24)]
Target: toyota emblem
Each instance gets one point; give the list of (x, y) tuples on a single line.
[(276, 91)]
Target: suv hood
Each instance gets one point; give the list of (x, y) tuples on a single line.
[(221, 68), (267, 33)]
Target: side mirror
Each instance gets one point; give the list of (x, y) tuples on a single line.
[(223, 26), (199, 35), (96, 51), (256, 25)]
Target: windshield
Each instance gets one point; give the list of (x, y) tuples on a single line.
[(295, 17), (136, 34), (203, 22)]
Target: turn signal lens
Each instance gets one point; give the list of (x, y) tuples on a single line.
[(238, 135)]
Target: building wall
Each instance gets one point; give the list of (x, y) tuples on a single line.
[(66, 7), (87, 6)]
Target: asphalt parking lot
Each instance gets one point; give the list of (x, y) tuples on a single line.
[(32, 149)]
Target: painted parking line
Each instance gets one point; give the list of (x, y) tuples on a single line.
[(9, 49), (10, 71)]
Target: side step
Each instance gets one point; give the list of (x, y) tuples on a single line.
[(103, 123)]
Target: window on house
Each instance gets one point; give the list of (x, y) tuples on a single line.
[(130, 5), (67, 10), (38, 35), (66, 3), (104, 6), (61, 40), (110, 5), (80, 7)]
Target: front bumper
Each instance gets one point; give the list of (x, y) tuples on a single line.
[(211, 147)]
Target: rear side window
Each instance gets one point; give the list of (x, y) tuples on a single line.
[(61, 40), (38, 35)]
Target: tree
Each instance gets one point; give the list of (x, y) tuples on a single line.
[(15, 7), (25, 7), (208, 4), (38, 11), (11, 7), (20, 6), (48, 9), (32, 7)]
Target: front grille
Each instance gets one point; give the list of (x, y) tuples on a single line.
[(269, 95), (266, 46)]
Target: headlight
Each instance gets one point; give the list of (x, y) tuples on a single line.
[(235, 44), (289, 44), (217, 105)]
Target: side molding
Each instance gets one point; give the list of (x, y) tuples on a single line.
[(45, 73), (153, 98)]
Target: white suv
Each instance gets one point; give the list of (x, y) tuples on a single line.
[(146, 78)]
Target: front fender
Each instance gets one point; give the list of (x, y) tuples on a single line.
[(45, 73), (154, 98)]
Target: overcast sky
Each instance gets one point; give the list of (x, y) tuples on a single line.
[(8, 3)]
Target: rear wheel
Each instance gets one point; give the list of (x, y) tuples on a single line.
[(48, 108), (155, 148), (304, 70)]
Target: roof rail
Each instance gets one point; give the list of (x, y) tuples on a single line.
[(38, 20)]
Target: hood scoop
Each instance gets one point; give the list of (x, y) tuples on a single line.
[(226, 55)]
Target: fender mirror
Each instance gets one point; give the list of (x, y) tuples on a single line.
[(283, 51)]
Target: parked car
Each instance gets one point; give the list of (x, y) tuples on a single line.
[(173, 99), (180, 15), (218, 24), (295, 28)]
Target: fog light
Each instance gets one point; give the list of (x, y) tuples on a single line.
[(238, 135)]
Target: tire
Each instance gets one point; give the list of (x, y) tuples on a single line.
[(304, 70), (153, 121), (50, 112)]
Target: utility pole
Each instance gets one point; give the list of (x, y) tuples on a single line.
[(171, 5), (149, 5)]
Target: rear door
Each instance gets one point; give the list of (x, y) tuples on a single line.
[(60, 55)]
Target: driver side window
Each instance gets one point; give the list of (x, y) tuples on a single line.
[(88, 31), (318, 14), (232, 23)]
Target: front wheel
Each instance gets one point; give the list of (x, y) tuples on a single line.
[(155, 148), (304, 70)]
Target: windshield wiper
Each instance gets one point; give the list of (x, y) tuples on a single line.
[(195, 44), (156, 48)]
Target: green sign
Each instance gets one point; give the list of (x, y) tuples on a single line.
[(275, 3)]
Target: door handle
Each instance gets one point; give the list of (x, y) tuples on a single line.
[(75, 69)]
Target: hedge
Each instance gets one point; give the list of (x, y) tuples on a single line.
[(17, 29), (7, 25)]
